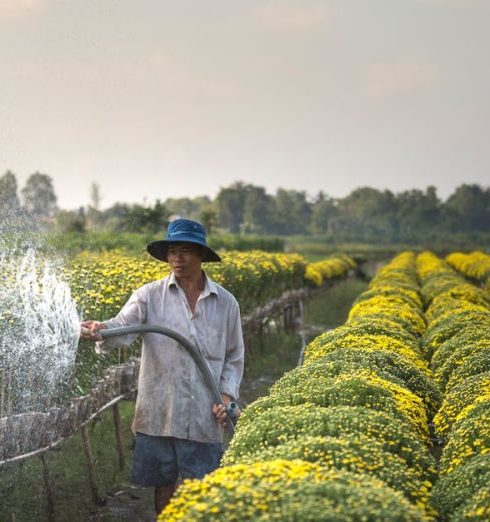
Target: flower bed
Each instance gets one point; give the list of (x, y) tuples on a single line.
[(102, 282), (288, 490), (475, 266), (357, 408), (457, 343)]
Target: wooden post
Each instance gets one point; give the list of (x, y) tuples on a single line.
[(287, 318), (91, 466), (2, 392), (48, 488), (9, 393), (117, 426)]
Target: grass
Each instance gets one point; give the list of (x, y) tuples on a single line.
[(329, 309), (22, 494)]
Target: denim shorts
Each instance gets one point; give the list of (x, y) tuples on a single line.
[(159, 461)]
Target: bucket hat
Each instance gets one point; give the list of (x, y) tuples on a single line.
[(182, 231)]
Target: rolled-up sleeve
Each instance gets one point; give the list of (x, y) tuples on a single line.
[(232, 373), (133, 313)]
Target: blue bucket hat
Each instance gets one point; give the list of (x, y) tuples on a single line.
[(182, 231)]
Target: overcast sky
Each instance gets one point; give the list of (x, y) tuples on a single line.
[(156, 99)]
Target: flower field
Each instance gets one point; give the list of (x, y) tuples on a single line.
[(349, 435), (102, 282)]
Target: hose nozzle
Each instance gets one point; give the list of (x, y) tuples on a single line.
[(232, 410)]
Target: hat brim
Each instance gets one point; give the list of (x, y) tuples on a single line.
[(159, 250)]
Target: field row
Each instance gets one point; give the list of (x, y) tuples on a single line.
[(346, 436), (102, 282), (457, 343), (475, 266)]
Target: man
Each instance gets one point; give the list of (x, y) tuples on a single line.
[(178, 429)]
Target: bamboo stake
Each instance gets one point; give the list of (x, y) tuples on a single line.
[(91, 467), (9, 393), (48, 487), (117, 426), (2, 393)]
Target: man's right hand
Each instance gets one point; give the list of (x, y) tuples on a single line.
[(90, 330)]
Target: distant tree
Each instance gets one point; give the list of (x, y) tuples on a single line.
[(70, 220), (417, 213), (230, 202), (95, 196), (190, 208), (472, 203), (291, 214), (123, 217), (93, 216), (208, 218), (323, 213), (39, 197), (9, 200), (257, 209), (368, 214)]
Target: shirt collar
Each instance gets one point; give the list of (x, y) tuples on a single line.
[(210, 287)]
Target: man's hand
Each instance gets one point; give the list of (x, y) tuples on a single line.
[(90, 330), (219, 410)]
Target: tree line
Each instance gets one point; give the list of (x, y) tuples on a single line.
[(366, 214)]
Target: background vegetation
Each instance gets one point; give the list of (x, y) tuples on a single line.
[(247, 213)]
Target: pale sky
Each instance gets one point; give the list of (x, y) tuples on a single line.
[(156, 99)]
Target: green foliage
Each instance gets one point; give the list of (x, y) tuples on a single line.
[(469, 437), (478, 362), (476, 508), (462, 361), (246, 242), (451, 330), (39, 197), (73, 242), (330, 307), (454, 489), (9, 200), (135, 218), (67, 221), (466, 394), (70, 239), (22, 487)]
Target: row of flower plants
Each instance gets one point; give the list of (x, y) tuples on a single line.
[(102, 282), (343, 437), (475, 266), (457, 344)]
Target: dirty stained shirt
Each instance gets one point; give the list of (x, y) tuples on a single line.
[(173, 399)]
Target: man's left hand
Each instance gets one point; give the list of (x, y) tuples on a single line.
[(219, 410)]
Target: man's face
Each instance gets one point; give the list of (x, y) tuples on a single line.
[(184, 259)]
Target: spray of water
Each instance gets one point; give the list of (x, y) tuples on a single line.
[(39, 330)]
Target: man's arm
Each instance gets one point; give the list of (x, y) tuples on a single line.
[(232, 373), (133, 313)]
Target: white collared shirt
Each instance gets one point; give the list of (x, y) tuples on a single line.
[(173, 398)]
